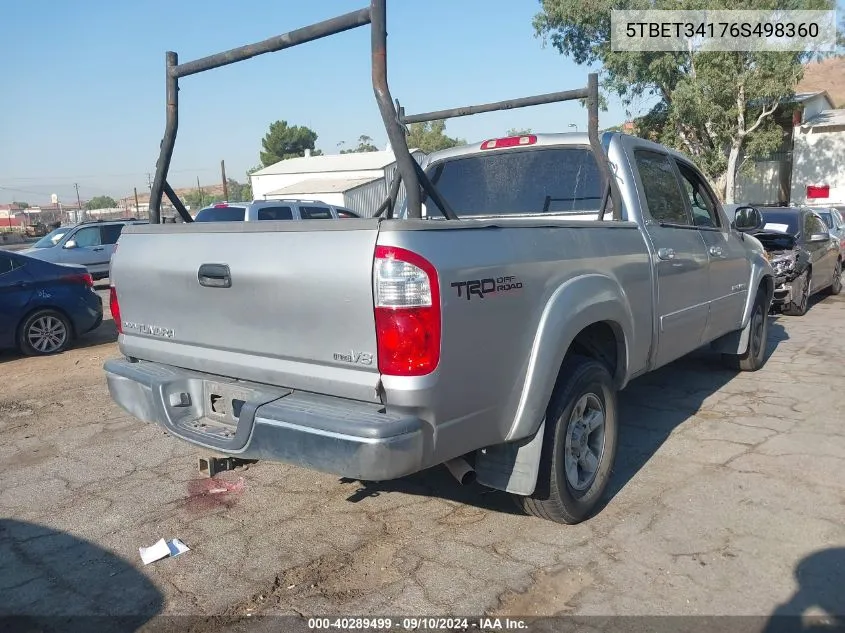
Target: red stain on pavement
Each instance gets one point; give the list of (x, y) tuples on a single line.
[(208, 494)]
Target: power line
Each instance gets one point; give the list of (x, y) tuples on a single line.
[(126, 175)]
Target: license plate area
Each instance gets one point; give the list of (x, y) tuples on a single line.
[(221, 409)]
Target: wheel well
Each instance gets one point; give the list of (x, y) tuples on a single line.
[(40, 309), (605, 342), (768, 284)]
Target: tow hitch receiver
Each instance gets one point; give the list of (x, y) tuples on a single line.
[(211, 465)]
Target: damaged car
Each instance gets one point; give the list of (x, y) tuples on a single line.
[(806, 259)]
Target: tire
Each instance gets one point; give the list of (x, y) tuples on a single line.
[(585, 391), (45, 332), (799, 308), (755, 354), (836, 285)]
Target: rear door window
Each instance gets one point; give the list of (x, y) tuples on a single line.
[(275, 213), (7, 264), (111, 233), (315, 213), (661, 188)]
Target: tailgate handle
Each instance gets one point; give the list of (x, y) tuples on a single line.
[(215, 276)]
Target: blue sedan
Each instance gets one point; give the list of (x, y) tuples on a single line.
[(44, 306)]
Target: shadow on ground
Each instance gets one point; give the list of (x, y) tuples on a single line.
[(651, 407), (53, 581), (820, 596)]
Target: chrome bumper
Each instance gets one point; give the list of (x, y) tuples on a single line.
[(348, 438)]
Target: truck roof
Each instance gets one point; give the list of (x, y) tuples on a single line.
[(542, 140)]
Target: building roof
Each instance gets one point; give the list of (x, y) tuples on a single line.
[(826, 118), (322, 185), (828, 75), (354, 161)]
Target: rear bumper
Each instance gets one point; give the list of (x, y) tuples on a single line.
[(345, 437), (87, 315)]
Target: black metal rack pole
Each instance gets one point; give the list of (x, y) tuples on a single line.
[(598, 151), (175, 70), (509, 104), (405, 163)]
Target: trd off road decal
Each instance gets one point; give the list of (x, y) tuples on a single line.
[(486, 288)]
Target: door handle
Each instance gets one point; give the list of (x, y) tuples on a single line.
[(666, 253), (20, 284), (98, 248), (215, 276), (716, 251)]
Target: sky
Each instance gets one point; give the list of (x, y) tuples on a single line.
[(83, 84)]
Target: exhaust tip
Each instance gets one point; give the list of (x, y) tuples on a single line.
[(461, 470)]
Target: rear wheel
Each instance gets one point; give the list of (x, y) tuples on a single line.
[(44, 332), (836, 285), (798, 305), (579, 446), (755, 354)]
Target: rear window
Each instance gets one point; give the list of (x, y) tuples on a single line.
[(559, 180), (221, 214), (275, 213), (781, 221), (315, 213)]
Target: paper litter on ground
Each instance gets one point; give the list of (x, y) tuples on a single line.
[(162, 549)]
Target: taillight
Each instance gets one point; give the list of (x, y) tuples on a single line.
[(407, 312), (509, 141), (114, 307), (80, 278)]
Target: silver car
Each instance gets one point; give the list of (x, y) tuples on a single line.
[(272, 210), (89, 244)]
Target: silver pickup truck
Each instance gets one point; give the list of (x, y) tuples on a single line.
[(487, 324)]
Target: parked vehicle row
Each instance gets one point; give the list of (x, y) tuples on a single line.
[(259, 210)]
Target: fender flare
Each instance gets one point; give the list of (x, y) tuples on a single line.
[(576, 304)]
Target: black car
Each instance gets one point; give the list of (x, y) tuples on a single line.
[(44, 306), (805, 257)]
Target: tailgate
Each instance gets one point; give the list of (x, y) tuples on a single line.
[(281, 303)]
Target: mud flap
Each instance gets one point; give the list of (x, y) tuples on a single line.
[(511, 467)]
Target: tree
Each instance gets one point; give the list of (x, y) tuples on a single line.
[(285, 141), (21, 205), (518, 131), (430, 136), (101, 202), (715, 106), (365, 144)]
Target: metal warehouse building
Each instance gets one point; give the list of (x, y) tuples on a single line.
[(358, 181)]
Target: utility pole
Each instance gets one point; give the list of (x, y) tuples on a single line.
[(149, 181), (200, 190), (225, 184), (78, 202), (137, 211)]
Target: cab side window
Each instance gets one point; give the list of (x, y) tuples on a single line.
[(661, 188)]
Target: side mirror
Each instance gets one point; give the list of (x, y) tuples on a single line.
[(70, 244), (819, 237), (747, 219)]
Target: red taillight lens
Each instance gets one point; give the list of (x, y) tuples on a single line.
[(80, 278), (114, 307), (407, 312), (509, 141)]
